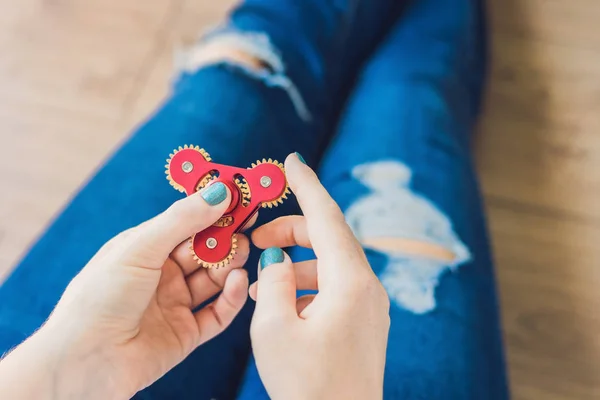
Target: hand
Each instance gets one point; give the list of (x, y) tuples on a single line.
[(328, 346), (128, 317)]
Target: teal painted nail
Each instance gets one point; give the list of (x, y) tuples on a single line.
[(215, 193), (300, 158), (272, 255)]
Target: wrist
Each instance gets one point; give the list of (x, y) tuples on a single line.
[(53, 364), (86, 363)]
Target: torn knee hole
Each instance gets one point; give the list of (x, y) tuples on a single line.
[(412, 247), (253, 53), (251, 50), (216, 52)]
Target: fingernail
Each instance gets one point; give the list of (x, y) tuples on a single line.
[(215, 193), (301, 158), (272, 255)]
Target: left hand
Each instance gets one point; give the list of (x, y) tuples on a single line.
[(128, 317)]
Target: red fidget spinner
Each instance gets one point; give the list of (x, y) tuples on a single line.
[(190, 169)]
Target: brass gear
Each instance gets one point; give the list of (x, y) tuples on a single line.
[(246, 196), (219, 264), (204, 154), (205, 181), (224, 221), (287, 191)]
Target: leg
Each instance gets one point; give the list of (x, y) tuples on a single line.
[(233, 110), (245, 122), (330, 39), (411, 195), (400, 167), (243, 96)]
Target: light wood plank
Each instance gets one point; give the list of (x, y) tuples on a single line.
[(67, 68), (549, 278), (539, 157)]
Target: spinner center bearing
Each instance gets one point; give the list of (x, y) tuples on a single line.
[(189, 169)]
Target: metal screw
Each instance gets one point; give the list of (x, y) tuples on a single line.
[(211, 243), (187, 167), (265, 181)]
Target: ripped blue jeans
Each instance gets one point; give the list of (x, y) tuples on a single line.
[(379, 96)]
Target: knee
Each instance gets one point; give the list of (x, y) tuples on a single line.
[(251, 53), (417, 238), (410, 247), (413, 268)]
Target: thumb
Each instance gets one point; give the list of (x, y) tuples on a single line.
[(276, 292), (156, 239)]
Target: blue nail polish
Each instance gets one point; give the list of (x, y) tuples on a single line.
[(272, 255), (215, 193), (300, 158)]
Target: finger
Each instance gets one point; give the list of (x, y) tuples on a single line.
[(276, 294), (217, 316), (205, 283), (182, 255), (156, 239), (250, 223), (331, 237), (306, 277), (282, 232), (304, 302)]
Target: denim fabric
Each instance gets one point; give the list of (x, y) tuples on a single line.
[(400, 165), (409, 114)]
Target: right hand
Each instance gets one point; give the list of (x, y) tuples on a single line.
[(328, 346)]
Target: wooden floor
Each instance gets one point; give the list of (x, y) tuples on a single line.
[(76, 75)]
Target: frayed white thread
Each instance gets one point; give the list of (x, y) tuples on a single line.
[(253, 44), (391, 209)]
